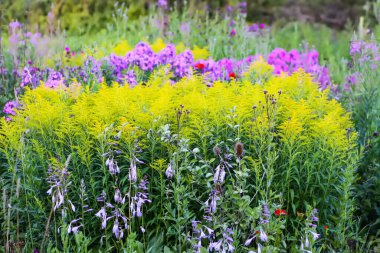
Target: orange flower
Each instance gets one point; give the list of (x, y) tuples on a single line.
[(279, 212), (200, 66)]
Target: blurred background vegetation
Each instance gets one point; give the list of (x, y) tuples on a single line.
[(83, 16)]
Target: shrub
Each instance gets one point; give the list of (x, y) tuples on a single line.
[(361, 95), (162, 166)]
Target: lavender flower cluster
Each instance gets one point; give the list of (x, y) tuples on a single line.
[(293, 60), (365, 54), (9, 109), (144, 60), (136, 197)]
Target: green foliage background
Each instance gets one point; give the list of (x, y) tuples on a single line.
[(92, 15)]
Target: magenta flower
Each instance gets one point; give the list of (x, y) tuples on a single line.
[(162, 4)]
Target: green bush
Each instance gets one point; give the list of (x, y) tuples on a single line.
[(282, 146)]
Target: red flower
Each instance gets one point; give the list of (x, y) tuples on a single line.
[(326, 227), (279, 212), (200, 66), (232, 75)]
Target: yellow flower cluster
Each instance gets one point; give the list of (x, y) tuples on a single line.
[(290, 106)]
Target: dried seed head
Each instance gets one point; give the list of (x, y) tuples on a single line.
[(239, 149), (217, 150)]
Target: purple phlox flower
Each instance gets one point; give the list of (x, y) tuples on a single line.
[(118, 64), (130, 78), (289, 62), (169, 173), (141, 56), (55, 80), (262, 26), (355, 47), (166, 55), (233, 33), (10, 107), (182, 63)]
